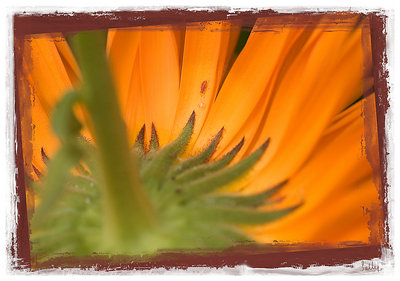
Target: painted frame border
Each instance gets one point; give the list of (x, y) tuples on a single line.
[(302, 256)]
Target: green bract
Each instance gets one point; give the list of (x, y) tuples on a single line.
[(190, 212)]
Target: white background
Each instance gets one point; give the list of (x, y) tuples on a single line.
[(6, 117)]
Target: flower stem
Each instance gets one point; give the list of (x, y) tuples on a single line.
[(127, 208)]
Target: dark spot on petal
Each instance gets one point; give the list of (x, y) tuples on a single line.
[(203, 86)]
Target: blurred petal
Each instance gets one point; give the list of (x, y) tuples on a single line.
[(68, 59), (122, 48), (42, 136), (45, 70), (159, 70), (134, 111), (47, 80)]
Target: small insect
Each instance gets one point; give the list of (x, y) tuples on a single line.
[(203, 86)]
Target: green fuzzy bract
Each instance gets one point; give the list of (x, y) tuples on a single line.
[(190, 211)]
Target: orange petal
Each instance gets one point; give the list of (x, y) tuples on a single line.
[(134, 114), (179, 31), (336, 180), (159, 70), (122, 49), (327, 81), (294, 58), (234, 34), (45, 70), (73, 71), (42, 136), (246, 82), (204, 59), (342, 219), (68, 59), (48, 80)]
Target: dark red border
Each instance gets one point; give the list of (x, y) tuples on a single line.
[(259, 257)]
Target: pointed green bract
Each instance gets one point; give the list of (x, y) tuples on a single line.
[(201, 170), (197, 159), (241, 200), (243, 216), (156, 170), (190, 211), (220, 178), (139, 146), (154, 143)]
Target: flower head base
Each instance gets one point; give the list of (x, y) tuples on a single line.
[(189, 213)]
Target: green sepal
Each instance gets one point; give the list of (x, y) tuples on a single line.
[(154, 142), (139, 146), (240, 216), (222, 177), (201, 170), (214, 236), (197, 159), (156, 170), (241, 200)]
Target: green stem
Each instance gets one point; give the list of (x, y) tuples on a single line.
[(128, 210)]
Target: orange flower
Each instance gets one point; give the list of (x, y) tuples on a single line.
[(299, 84)]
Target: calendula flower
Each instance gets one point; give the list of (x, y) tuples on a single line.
[(213, 118)]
